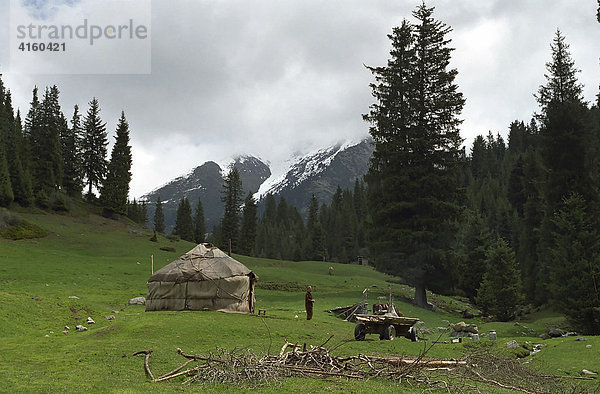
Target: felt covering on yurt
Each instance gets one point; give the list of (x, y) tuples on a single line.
[(203, 278)]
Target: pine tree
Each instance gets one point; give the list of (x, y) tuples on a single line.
[(575, 267), (500, 291), (94, 148), (6, 190), (474, 243), (6, 193), (232, 198), (43, 127), (115, 188), (184, 226), (249, 224), (71, 144), (20, 176), (159, 217), (199, 223), (413, 174)]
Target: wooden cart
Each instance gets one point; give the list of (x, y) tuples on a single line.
[(387, 326)]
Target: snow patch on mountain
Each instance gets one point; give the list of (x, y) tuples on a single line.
[(301, 168)]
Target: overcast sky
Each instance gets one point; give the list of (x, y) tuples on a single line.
[(277, 77)]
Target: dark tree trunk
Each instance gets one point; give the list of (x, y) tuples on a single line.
[(421, 296)]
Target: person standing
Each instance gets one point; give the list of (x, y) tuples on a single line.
[(308, 303)]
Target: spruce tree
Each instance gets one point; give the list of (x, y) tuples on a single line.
[(575, 265), (20, 176), (184, 226), (159, 217), (6, 193), (199, 223), (248, 228), (94, 148), (500, 292), (232, 198), (71, 143), (6, 190), (115, 188), (48, 164), (413, 173)]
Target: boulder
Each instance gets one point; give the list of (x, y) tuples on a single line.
[(554, 332), (65, 332), (588, 372), (544, 336), (90, 320), (581, 339), (110, 317), (588, 346), (512, 344), (467, 314), (74, 297), (466, 328), (137, 301), (81, 328)]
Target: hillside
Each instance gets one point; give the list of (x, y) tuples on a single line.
[(105, 263)]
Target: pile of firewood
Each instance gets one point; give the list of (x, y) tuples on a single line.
[(244, 367)]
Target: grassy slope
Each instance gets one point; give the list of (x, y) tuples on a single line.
[(105, 263)]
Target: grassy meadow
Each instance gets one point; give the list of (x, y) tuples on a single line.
[(105, 263)]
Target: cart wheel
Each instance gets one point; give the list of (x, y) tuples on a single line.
[(412, 334), (389, 333), (359, 332)]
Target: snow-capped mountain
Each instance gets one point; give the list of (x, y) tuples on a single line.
[(319, 173), (206, 182)]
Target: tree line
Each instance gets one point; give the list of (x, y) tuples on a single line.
[(509, 224), (331, 232), (47, 160)]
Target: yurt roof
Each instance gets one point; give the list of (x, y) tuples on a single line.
[(203, 262)]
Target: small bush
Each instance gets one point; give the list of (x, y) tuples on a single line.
[(59, 202), (168, 248), (41, 199), (8, 218), (154, 238), (25, 230)]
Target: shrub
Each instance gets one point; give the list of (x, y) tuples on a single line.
[(8, 218), (41, 199), (59, 202), (24, 230)]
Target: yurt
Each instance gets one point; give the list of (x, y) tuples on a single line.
[(205, 278)]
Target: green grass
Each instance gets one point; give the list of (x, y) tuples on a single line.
[(106, 262)]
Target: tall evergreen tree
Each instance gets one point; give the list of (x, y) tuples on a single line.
[(500, 291), (17, 147), (199, 223), (249, 223), (232, 198), (413, 174), (6, 190), (184, 226), (94, 148), (575, 267), (159, 217), (115, 188), (71, 144), (43, 126)]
